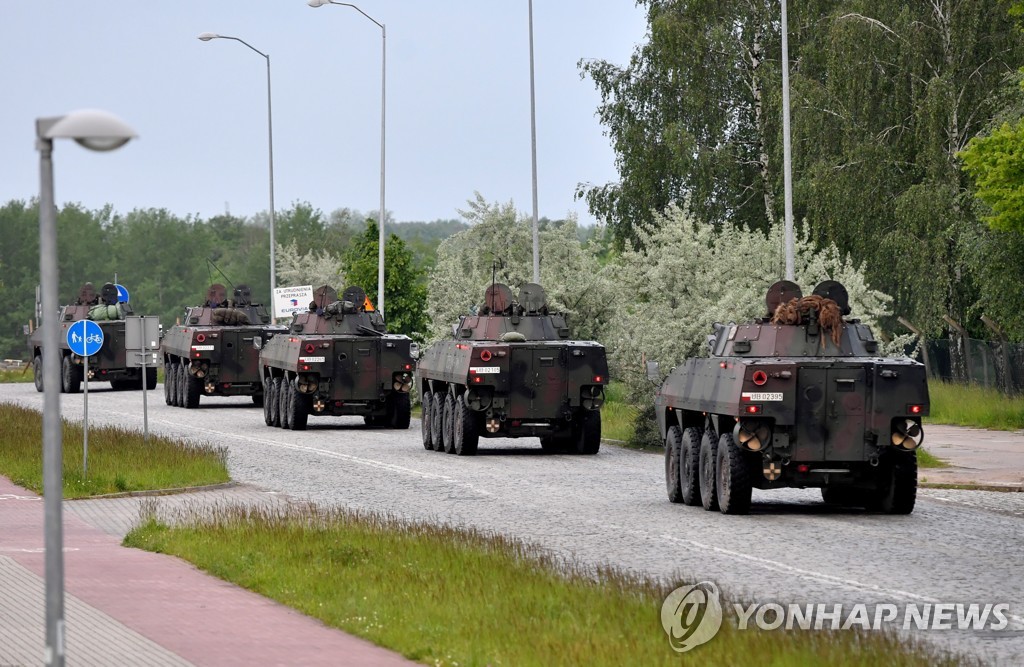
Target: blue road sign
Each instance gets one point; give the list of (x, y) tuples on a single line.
[(122, 294), (85, 338)]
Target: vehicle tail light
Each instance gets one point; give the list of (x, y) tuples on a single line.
[(915, 409), (200, 338), (485, 355), (598, 378), (759, 378), (310, 348), (752, 409)]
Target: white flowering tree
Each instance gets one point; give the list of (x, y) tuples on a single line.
[(316, 267), (690, 274), (500, 241)]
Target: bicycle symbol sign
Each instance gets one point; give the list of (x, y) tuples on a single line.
[(85, 338)]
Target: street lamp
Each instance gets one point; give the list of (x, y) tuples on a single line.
[(205, 37), (383, 115), (787, 151), (98, 131), (533, 155)]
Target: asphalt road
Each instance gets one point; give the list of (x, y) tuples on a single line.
[(957, 546)]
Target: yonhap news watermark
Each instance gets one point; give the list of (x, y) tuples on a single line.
[(693, 615)]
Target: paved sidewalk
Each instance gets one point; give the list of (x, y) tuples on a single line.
[(977, 457), (131, 607)]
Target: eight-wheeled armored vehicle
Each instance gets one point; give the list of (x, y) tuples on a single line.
[(512, 371), (110, 362), (212, 353), (338, 359), (800, 398)]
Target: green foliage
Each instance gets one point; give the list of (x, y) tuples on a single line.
[(401, 584), (996, 163), (978, 407), (405, 290)]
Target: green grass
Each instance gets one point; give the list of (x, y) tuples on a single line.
[(926, 459), (617, 415), (971, 405), (17, 375), (447, 596), (119, 459)]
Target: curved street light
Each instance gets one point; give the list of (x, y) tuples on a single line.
[(383, 116), (98, 131), (206, 37)]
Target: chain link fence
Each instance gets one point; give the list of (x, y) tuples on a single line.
[(989, 363)]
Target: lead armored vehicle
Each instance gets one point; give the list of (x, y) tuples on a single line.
[(512, 371), (213, 353), (800, 398), (337, 359), (110, 362)]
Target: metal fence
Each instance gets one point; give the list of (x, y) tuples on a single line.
[(989, 363)]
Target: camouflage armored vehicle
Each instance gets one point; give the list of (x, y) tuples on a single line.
[(799, 398), (337, 359), (511, 371), (109, 364), (212, 353)]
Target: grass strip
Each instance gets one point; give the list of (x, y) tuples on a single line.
[(974, 406), (17, 374), (451, 596), (119, 459)]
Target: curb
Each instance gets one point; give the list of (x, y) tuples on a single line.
[(971, 486), (159, 492)]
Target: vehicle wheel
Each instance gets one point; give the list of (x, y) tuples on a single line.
[(193, 390), (673, 438), (733, 477), (150, 378), (284, 397), (167, 384), (399, 411), (70, 378), (586, 436), (437, 421), (425, 434), (298, 409), (689, 466), (706, 472), (268, 418), (182, 385), (257, 400), (274, 398), (897, 484), (37, 372), (465, 435), (448, 423)]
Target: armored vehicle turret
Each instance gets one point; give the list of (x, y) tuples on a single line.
[(799, 398), (338, 359), (212, 353), (512, 371), (110, 363)]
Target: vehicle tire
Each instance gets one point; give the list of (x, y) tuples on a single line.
[(448, 423), (465, 435), (283, 392), (586, 437), (70, 377), (193, 390), (257, 400), (734, 485), (274, 397), (267, 402), (399, 410), (706, 472), (172, 378), (167, 384), (425, 434), (673, 438), (37, 372), (150, 378), (182, 385), (437, 421), (689, 466), (897, 484), (298, 408)]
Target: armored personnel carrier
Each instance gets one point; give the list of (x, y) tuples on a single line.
[(799, 398), (109, 364), (512, 371), (337, 359), (212, 353)]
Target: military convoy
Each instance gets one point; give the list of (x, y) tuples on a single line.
[(110, 362), (212, 353), (337, 359), (799, 398), (512, 371)]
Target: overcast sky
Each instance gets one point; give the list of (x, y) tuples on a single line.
[(458, 105)]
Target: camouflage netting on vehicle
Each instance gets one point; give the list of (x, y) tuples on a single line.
[(229, 317), (826, 311), (105, 312)]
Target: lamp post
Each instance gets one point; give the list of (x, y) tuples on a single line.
[(98, 131), (383, 116), (787, 150), (206, 37), (533, 155)]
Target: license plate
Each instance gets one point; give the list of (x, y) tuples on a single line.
[(762, 396), (484, 370)]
